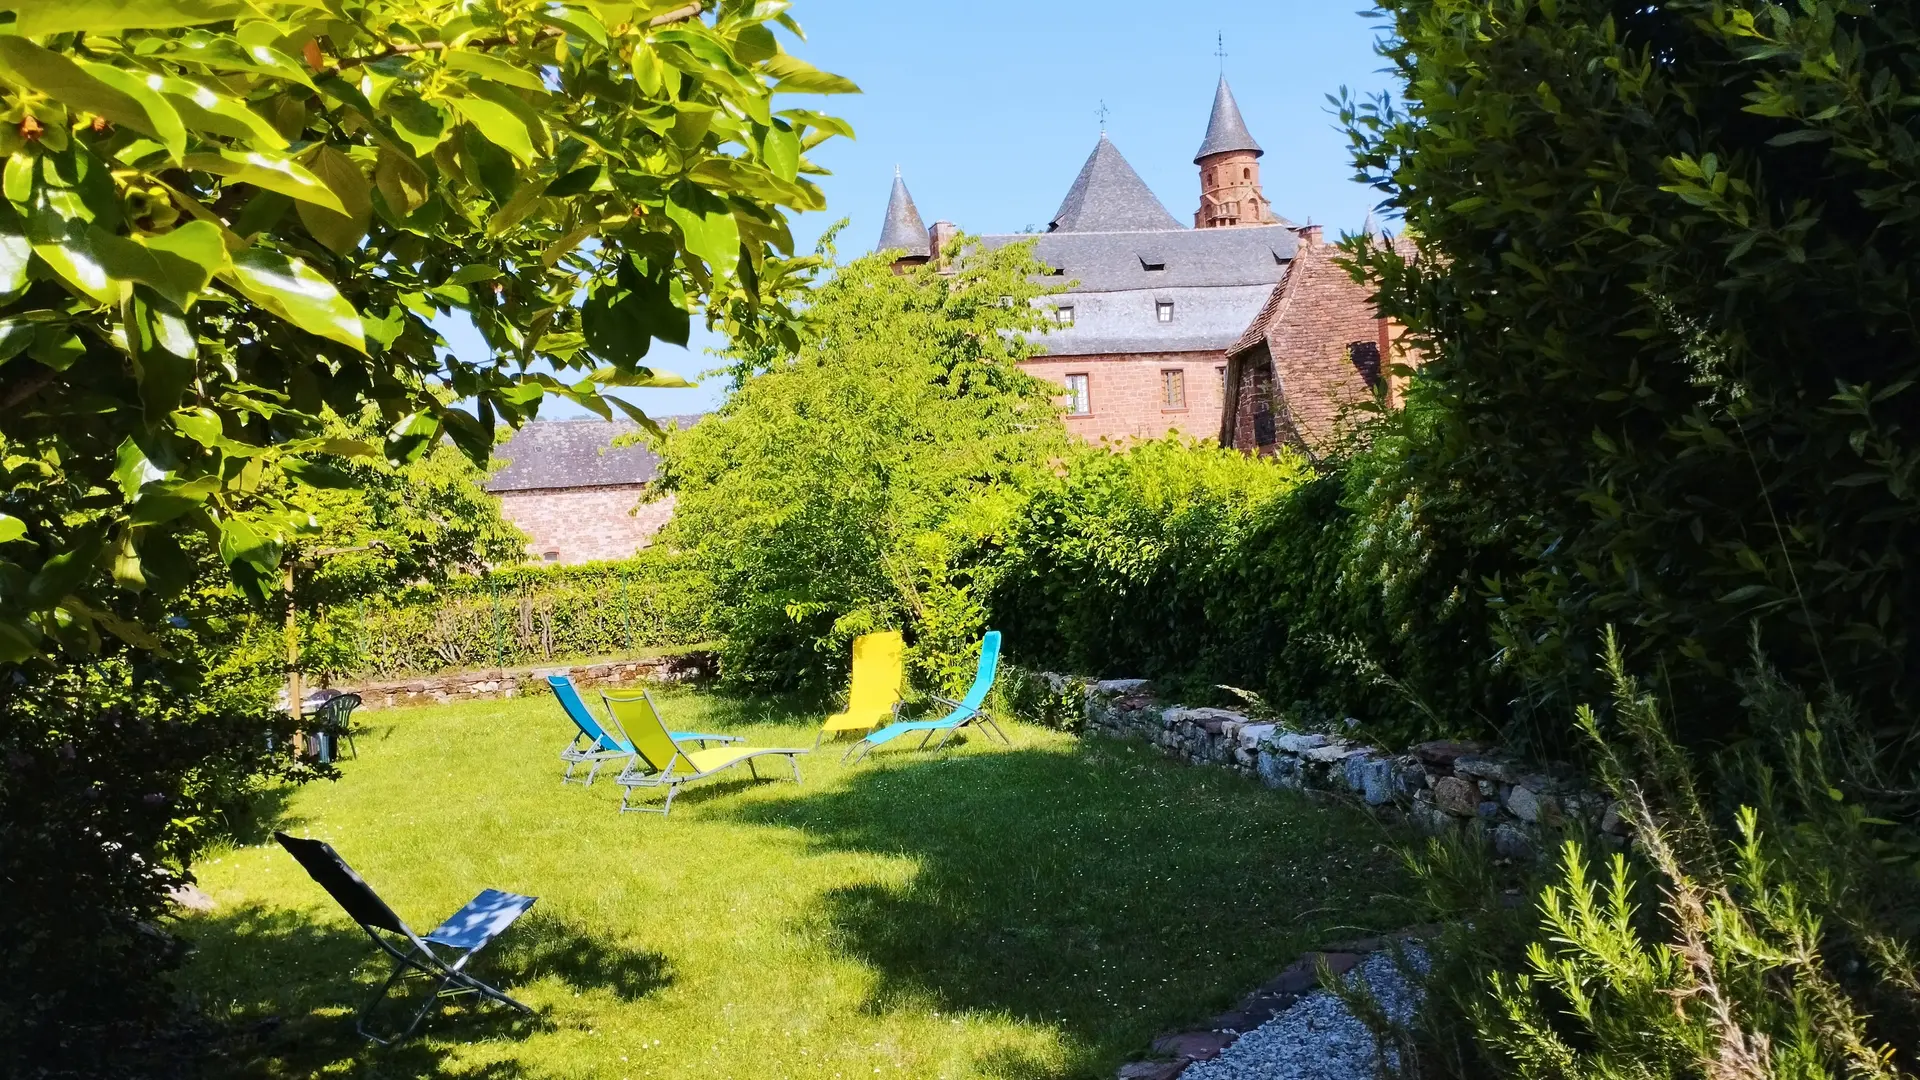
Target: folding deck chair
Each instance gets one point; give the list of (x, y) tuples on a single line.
[(968, 710), (879, 673), (662, 762), (592, 742), (463, 934)]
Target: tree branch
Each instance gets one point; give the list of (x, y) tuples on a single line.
[(27, 387), (679, 14)]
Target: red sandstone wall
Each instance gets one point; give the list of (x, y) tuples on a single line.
[(586, 524), (1124, 392)]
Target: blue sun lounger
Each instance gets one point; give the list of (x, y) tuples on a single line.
[(593, 742), (463, 934), (969, 709)]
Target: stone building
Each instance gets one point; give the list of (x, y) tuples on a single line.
[(1140, 336), (577, 496), (1317, 350)]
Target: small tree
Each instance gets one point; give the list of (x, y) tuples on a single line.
[(832, 494)]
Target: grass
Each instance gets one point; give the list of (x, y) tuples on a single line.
[(1039, 911)]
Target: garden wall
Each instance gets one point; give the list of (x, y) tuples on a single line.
[(516, 682), (1444, 786)]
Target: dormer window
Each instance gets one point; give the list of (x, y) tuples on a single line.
[(1152, 263), (1063, 315), (1163, 310)]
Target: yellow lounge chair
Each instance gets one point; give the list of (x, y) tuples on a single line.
[(659, 761), (879, 674)]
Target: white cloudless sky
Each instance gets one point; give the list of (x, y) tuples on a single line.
[(989, 108)]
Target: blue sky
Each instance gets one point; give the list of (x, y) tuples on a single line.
[(989, 109)]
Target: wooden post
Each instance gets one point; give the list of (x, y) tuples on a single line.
[(294, 690)]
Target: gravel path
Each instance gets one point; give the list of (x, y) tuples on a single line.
[(1318, 1039)]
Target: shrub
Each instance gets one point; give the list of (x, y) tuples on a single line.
[(839, 489), (511, 618), (1664, 293), (1328, 595)]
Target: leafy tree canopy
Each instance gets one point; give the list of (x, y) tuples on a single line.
[(224, 218), (830, 495)]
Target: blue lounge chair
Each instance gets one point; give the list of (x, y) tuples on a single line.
[(463, 934), (969, 709), (593, 742)]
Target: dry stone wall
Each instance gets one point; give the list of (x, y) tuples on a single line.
[(1441, 787), (516, 682)]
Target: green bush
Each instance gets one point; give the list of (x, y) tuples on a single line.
[(1665, 294), (513, 618), (1326, 594)]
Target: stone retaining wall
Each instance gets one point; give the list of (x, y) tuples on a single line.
[(1440, 786), (515, 682)]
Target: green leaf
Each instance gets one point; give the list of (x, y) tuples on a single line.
[(709, 230), (204, 109), (420, 123), (162, 120), (15, 253), (31, 67), (498, 124), (576, 20), (400, 182), (295, 292), (11, 528), (223, 53), (132, 469), (38, 18), (621, 317), (781, 152), (492, 68), (796, 76), (64, 572), (15, 336), (252, 558), (319, 474), (162, 347), (577, 182), (162, 501), (341, 233), (269, 172), (198, 244)]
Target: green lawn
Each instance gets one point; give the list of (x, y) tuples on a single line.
[(1039, 911)]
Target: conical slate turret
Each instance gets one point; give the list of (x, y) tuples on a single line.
[(1225, 129), (903, 230), (1108, 196)]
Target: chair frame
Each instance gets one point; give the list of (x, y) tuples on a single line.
[(575, 754), (327, 722), (629, 780), (962, 714), (412, 955)]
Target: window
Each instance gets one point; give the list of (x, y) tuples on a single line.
[(1246, 174), (1222, 372), (1153, 263), (1078, 404), (1063, 315), (550, 556), (1173, 389), (1163, 310)]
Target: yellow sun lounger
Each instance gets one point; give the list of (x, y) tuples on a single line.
[(660, 761), (879, 674)]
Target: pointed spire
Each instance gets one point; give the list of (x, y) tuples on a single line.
[(1108, 196), (903, 230), (1225, 129), (1372, 229)]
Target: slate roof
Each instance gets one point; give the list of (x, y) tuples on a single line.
[(558, 454), (1216, 279), (1108, 196), (1226, 130), (903, 231)]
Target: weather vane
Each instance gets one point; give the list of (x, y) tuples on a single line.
[(1103, 112), (1220, 50)]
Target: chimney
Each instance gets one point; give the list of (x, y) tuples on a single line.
[(1310, 235), (939, 237)]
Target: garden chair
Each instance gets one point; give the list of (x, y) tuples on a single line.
[(332, 722), (879, 673), (592, 742), (969, 709), (463, 934), (661, 762)]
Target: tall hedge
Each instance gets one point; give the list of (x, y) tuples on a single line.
[(1667, 290), (511, 618)]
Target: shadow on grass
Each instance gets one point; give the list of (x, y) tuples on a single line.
[(1100, 890), (299, 987)]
